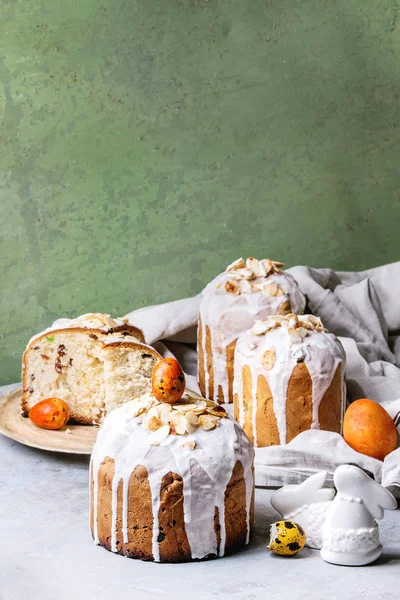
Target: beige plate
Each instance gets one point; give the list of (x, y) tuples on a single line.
[(19, 428)]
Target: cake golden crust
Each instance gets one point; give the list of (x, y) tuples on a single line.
[(173, 541)]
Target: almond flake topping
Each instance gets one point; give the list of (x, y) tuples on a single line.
[(297, 326), (268, 359), (244, 273), (232, 287), (237, 264), (191, 445), (181, 418)]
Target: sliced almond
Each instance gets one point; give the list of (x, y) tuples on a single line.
[(190, 445), (313, 321), (293, 321), (201, 404), (192, 418), (307, 324), (154, 411), (259, 328), (179, 422), (232, 287), (268, 359), (243, 274), (257, 286), (285, 308), (271, 288), (302, 331), (109, 322), (217, 411), (237, 264), (208, 422), (154, 423), (294, 335), (280, 292), (278, 264), (142, 406), (124, 320), (245, 286), (184, 408), (189, 427), (267, 265), (256, 266), (164, 411), (159, 436), (277, 319)]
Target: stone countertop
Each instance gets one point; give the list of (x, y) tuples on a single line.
[(46, 551)]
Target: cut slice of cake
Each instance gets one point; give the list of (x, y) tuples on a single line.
[(94, 363)]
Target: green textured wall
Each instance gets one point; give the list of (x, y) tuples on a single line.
[(147, 143)]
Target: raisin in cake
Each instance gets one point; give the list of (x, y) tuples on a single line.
[(289, 377), (231, 303), (94, 363), (171, 483)]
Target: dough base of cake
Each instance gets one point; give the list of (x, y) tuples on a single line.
[(173, 542), (298, 406)]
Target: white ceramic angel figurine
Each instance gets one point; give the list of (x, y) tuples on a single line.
[(345, 526)]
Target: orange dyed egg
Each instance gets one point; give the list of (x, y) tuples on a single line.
[(168, 381), (51, 413), (369, 429)]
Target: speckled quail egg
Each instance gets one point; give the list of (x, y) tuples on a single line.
[(286, 538)]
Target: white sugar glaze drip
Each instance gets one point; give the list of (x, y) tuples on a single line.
[(321, 352), (254, 383), (205, 472), (228, 315)]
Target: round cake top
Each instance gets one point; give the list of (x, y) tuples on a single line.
[(91, 321), (154, 423), (100, 322), (297, 326), (194, 438), (258, 287), (292, 334)]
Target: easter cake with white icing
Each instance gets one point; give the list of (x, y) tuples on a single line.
[(247, 291), (171, 482), (94, 363), (289, 377)]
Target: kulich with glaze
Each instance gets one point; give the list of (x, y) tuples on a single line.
[(289, 377), (171, 482), (247, 291)]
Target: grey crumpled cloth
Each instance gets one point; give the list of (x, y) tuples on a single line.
[(363, 309)]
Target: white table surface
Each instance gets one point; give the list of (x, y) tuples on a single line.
[(46, 551)]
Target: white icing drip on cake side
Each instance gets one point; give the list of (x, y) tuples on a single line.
[(227, 315), (206, 470), (321, 352)]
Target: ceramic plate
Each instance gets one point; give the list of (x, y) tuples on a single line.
[(13, 425)]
